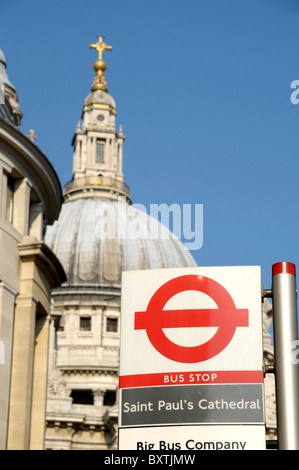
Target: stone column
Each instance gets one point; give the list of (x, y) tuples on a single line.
[(22, 374), (38, 414), (36, 220), (7, 305), (98, 396), (5, 168), (21, 205)]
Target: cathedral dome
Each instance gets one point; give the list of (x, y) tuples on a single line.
[(96, 239)]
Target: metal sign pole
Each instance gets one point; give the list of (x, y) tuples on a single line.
[(285, 331)]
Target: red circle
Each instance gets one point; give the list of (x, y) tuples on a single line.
[(202, 352)]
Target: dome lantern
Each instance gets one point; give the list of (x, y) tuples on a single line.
[(98, 146)]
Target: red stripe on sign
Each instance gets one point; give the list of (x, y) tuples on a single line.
[(284, 268), (183, 318), (189, 378)]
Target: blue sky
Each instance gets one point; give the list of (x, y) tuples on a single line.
[(203, 94)]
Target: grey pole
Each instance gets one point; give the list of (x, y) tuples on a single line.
[(285, 332)]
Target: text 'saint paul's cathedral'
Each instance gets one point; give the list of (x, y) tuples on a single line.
[(62, 256)]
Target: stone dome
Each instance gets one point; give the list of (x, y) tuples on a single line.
[(100, 98), (96, 239)]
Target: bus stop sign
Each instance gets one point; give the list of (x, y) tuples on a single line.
[(226, 318)]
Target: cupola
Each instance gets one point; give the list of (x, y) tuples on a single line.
[(97, 144)]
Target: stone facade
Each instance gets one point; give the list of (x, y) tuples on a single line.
[(83, 373), (30, 198)]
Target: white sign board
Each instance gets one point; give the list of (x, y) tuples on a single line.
[(192, 438), (191, 350)]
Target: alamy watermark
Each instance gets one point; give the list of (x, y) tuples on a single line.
[(295, 94), (295, 352), (161, 222)]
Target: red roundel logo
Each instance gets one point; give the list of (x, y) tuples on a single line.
[(226, 318)]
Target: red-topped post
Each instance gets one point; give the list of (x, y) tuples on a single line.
[(285, 331)]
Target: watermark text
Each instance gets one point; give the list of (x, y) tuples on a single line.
[(161, 222), (295, 94)]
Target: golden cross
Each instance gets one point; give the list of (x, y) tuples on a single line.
[(100, 46)]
